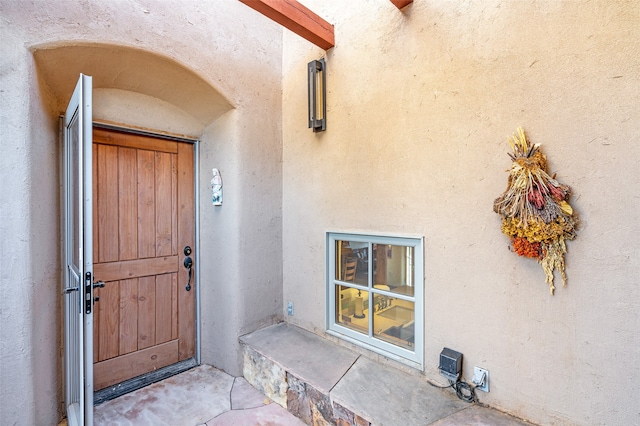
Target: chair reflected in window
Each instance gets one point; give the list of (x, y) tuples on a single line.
[(349, 275), (349, 272)]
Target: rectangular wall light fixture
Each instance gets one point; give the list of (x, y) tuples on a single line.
[(316, 75)]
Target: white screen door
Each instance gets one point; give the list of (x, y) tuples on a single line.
[(78, 283)]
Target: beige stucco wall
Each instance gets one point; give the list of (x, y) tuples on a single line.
[(237, 54), (28, 296), (420, 104)]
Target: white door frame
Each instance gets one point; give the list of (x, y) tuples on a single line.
[(78, 256)]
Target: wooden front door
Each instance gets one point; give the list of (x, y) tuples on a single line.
[(143, 219)]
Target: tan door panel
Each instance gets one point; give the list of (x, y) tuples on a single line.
[(143, 219)]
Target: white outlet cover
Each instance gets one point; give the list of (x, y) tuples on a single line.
[(477, 379)]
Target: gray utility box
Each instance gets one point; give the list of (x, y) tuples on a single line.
[(450, 364)]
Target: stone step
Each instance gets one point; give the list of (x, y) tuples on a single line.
[(323, 383)]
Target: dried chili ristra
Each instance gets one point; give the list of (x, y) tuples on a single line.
[(535, 211)]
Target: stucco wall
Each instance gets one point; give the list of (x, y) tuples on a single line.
[(420, 104), (237, 53), (29, 304)]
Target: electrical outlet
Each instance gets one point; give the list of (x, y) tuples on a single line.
[(290, 308), (481, 379)]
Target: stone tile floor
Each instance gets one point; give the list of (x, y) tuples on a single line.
[(205, 396), (200, 396)]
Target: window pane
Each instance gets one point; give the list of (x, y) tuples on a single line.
[(393, 320), (351, 308), (352, 262), (376, 283), (393, 268)]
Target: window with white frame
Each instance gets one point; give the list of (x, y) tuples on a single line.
[(375, 293)]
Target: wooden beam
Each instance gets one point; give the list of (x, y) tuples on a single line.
[(297, 18), (401, 3)]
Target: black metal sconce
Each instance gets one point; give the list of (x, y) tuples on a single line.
[(317, 79)]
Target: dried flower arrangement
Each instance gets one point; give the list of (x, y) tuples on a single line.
[(535, 211)]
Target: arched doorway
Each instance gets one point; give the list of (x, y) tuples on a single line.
[(161, 100), (126, 79)]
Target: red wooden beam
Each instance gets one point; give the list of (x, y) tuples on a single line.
[(297, 18), (401, 3)]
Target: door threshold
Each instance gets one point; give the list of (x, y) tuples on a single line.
[(139, 382)]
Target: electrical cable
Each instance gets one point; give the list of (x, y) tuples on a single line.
[(460, 388), (451, 384), (471, 396)]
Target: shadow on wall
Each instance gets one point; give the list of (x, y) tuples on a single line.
[(128, 69)]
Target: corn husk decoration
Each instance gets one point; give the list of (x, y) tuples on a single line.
[(535, 209)]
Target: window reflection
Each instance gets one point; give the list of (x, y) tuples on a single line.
[(393, 320), (393, 268), (352, 262), (352, 305)]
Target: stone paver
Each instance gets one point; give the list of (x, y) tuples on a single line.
[(386, 396), (202, 395), (309, 357), (189, 398), (268, 415), (479, 416), (244, 396), (363, 392)]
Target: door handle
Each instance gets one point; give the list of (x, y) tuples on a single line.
[(188, 263), (99, 284)]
